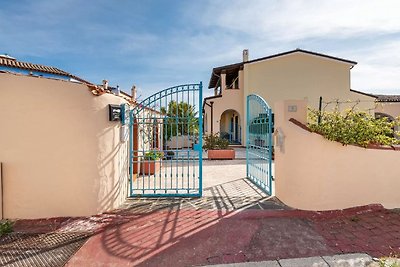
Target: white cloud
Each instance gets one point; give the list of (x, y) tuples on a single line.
[(362, 30), (298, 19), (210, 33), (378, 69)]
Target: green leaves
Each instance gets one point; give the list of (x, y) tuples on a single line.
[(354, 127), (214, 142), (153, 155), (5, 227)]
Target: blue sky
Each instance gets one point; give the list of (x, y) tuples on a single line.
[(157, 44)]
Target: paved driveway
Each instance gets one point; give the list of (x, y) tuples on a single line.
[(233, 222), (228, 178)]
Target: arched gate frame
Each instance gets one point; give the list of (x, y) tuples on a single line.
[(259, 142), (165, 144)]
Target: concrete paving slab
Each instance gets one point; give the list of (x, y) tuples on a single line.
[(304, 262), (349, 260), (226, 177)]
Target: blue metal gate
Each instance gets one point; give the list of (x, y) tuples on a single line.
[(259, 142), (166, 144)]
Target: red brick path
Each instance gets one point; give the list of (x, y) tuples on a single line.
[(376, 233), (190, 237)]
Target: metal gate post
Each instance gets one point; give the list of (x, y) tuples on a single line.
[(200, 140), (247, 135)]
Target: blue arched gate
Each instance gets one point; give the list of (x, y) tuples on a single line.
[(259, 142), (166, 144)]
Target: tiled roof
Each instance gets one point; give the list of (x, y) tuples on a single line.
[(13, 63), (388, 98), (380, 98), (235, 67)]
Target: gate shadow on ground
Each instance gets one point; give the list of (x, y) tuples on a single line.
[(233, 195), (152, 226), (239, 194)]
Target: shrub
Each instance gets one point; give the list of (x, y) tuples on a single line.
[(214, 142), (353, 127), (5, 227), (153, 155)]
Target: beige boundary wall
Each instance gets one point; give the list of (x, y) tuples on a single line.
[(389, 108), (60, 154), (313, 173)]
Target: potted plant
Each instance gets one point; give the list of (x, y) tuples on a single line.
[(151, 162), (217, 147)]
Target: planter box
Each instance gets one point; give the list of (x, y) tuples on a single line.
[(221, 154), (149, 167)]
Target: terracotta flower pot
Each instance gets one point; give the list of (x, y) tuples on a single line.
[(149, 167), (221, 154)]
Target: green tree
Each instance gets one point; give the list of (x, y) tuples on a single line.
[(180, 119)]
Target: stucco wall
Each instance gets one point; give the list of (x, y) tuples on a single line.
[(294, 76), (61, 156), (232, 99), (390, 108), (313, 173), (300, 76)]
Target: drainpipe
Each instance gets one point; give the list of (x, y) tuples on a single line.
[(212, 113)]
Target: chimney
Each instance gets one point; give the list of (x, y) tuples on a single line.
[(245, 55), (133, 92), (105, 84)]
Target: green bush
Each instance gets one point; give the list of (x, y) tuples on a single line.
[(153, 155), (353, 127), (5, 227), (214, 142)]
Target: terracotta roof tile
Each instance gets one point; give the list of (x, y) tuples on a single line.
[(37, 67), (380, 98), (388, 98)]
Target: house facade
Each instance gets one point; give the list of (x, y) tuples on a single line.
[(297, 74)]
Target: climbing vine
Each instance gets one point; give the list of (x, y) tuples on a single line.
[(354, 127)]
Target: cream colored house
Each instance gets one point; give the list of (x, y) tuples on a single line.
[(296, 74)]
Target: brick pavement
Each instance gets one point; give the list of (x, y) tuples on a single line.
[(376, 233), (186, 237), (199, 232)]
